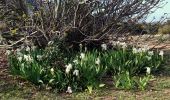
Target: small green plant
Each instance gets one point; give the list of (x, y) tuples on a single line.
[(143, 81), (124, 81), (26, 63), (90, 68)]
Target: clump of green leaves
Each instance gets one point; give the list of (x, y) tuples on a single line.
[(124, 81), (133, 60), (90, 68), (127, 81), (53, 69), (84, 70)]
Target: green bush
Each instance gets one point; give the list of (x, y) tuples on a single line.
[(134, 61), (77, 71)]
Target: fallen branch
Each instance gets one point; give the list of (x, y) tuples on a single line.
[(15, 43)]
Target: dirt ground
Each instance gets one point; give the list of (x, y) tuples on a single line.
[(153, 41)]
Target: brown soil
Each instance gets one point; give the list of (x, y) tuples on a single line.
[(3, 66)]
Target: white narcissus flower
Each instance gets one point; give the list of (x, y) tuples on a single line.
[(39, 57), (80, 45), (148, 57), (67, 71), (104, 46), (113, 43), (148, 70), (97, 61), (140, 50), (135, 50), (150, 53), (85, 49), (28, 58), (82, 55), (19, 59), (18, 50), (161, 53), (25, 57), (34, 47), (118, 43), (76, 72), (75, 61), (52, 71), (69, 90), (124, 45), (19, 53), (68, 68), (145, 48), (27, 48)]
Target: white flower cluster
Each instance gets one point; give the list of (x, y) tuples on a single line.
[(69, 90), (82, 55), (19, 59), (150, 53), (28, 58), (161, 53), (140, 50), (76, 72), (123, 45), (52, 71), (118, 43), (148, 70), (39, 57), (104, 46), (97, 61), (68, 68), (28, 48), (75, 61), (115, 43)]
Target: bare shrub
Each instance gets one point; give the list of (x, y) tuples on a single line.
[(75, 21)]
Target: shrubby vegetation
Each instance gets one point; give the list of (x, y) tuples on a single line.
[(75, 21), (129, 67), (164, 28), (62, 44)]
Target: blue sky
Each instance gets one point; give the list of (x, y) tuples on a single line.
[(160, 12)]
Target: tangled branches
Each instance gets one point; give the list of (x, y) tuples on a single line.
[(74, 20)]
